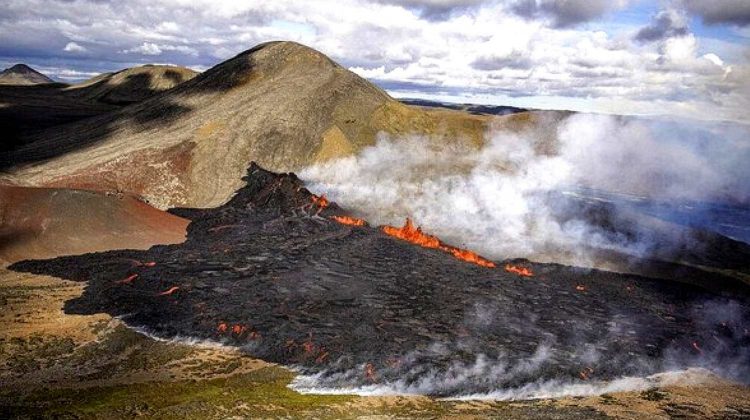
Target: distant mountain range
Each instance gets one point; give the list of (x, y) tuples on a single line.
[(471, 108)]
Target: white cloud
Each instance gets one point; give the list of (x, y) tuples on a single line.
[(714, 59), (472, 49), (149, 48), (73, 47)]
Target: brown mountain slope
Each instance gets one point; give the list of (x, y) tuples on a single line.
[(48, 222), (131, 85), (281, 104), (21, 74)]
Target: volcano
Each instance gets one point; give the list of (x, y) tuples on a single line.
[(171, 198), (273, 273), (281, 104)]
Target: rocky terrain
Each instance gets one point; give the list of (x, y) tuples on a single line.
[(55, 364)]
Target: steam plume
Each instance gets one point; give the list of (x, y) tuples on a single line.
[(512, 197)]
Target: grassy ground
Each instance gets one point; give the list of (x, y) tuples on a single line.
[(56, 365)]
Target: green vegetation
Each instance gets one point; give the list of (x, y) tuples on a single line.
[(262, 392)]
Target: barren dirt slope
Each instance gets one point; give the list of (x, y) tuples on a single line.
[(48, 222)]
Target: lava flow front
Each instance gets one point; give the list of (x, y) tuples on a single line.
[(521, 271), (347, 220), (320, 201), (415, 235), (411, 234)]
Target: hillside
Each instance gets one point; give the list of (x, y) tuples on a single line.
[(131, 85), (45, 223), (281, 104), (21, 74), (27, 109)]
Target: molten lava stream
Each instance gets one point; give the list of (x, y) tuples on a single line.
[(411, 234), (127, 280), (521, 271), (321, 201), (351, 221), (415, 235), (469, 256), (169, 291)]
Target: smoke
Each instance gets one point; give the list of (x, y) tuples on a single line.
[(658, 159), (310, 384), (185, 340), (562, 191), (538, 193), (566, 362)]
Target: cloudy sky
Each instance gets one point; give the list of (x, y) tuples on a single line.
[(687, 58)]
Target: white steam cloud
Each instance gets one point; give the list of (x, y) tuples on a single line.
[(310, 384), (503, 199)]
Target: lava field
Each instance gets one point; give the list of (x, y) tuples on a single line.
[(291, 278)]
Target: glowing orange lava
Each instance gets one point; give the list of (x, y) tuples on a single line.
[(469, 256), (581, 288), (411, 234), (321, 201), (415, 235), (169, 291), (222, 328), (127, 280), (351, 221), (521, 271), (239, 329)]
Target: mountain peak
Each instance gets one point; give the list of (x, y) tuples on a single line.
[(269, 59), (21, 74)]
